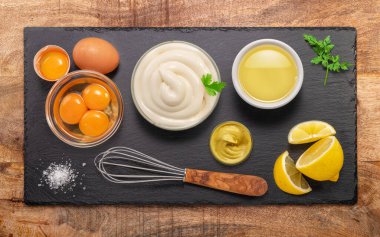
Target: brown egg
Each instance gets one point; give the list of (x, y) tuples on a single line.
[(96, 54)]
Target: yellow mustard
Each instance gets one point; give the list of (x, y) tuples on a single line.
[(231, 143)]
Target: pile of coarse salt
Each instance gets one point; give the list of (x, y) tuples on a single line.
[(60, 177)]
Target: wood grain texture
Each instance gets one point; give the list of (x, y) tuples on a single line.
[(235, 183), (16, 219)]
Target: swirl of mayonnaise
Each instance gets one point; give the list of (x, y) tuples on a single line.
[(167, 87)]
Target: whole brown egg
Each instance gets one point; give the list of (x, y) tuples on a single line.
[(95, 54)]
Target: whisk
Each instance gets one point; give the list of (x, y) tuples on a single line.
[(150, 170)]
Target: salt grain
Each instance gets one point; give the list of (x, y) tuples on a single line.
[(60, 176)]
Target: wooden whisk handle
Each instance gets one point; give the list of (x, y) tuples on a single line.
[(235, 183)]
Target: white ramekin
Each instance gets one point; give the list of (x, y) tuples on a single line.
[(257, 103)]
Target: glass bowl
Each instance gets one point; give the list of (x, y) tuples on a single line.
[(75, 82), (140, 105)]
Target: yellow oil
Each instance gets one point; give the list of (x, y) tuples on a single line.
[(267, 73)]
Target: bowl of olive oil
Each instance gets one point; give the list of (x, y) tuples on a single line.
[(267, 73)]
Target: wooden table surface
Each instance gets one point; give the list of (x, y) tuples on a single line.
[(17, 219)]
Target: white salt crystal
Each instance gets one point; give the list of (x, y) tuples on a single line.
[(60, 176)]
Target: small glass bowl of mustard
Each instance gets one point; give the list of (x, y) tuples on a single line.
[(231, 143), (75, 82), (51, 63)]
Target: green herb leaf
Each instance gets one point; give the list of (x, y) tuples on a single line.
[(327, 41), (310, 39), (323, 49), (212, 87), (317, 60), (329, 48), (345, 65)]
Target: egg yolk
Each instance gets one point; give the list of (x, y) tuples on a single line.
[(72, 108), (94, 123), (53, 65), (96, 97)]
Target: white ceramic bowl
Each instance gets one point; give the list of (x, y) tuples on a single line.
[(257, 103)]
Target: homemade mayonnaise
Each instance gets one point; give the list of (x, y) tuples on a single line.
[(167, 88)]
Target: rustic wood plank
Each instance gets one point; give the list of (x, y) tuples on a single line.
[(16, 219), (11, 119), (368, 109), (11, 181)]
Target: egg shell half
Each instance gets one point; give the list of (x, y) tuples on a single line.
[(96, 54)]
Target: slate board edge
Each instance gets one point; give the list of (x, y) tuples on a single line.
[(189, 30), (177, 203), (355, 198), (25, 114)]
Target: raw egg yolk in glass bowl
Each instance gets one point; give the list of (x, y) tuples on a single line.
[(72, 108), (94, 123), (85, 107), (96, 97)]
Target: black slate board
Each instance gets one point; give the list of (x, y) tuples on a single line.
[(335, 103)]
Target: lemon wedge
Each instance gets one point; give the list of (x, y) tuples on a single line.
[(310, 131), (287, 177), (323, 160)]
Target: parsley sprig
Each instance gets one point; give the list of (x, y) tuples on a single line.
[(323, 49), (212, 87)]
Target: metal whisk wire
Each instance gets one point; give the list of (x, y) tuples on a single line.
[(125, 157)]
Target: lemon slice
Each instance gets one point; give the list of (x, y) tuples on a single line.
[(310, 131), (287, 177), (323, 160)]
